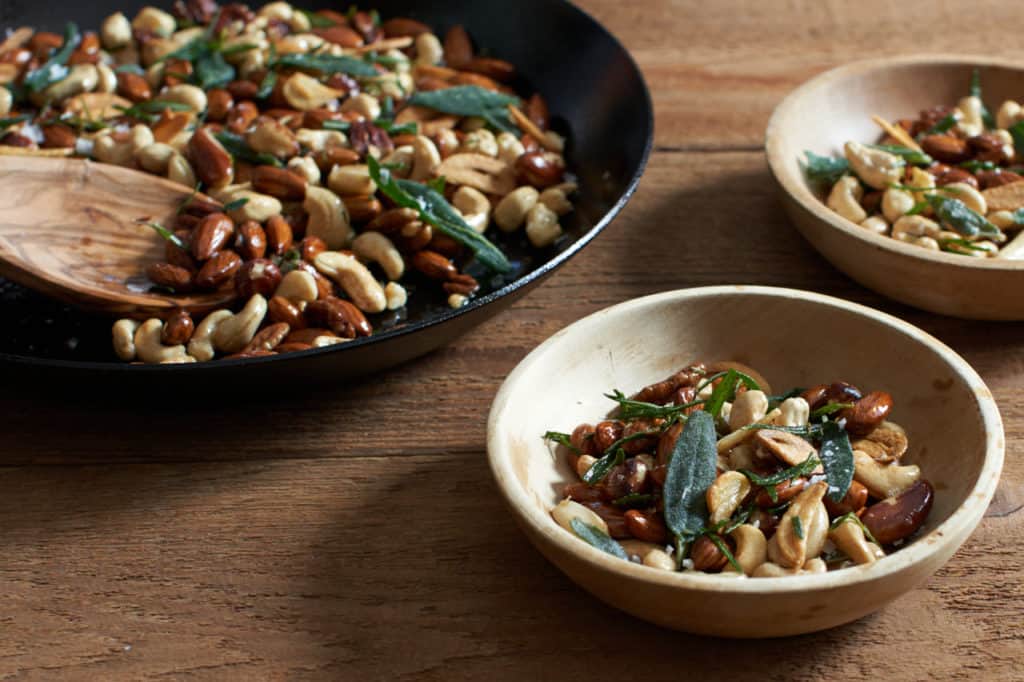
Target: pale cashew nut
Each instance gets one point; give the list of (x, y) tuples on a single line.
[(305, 92), (328, 217), (553, 141), (974, 199), (480, 141), (888, 437), (883, 480), (795, 412), (115, 32), (848, 536), (425, 159), (155, 157), (970, 123), (363, 104), (978, 249), (107, 78), (801, 534), (252, 62), (583, 464), (749, 407), (123, 334), (912, 227), (787, 447), (725, 495), (153, 20), (189, 95), (555, 199), (1009, 113), (567, 510), (876, 224), (510, 148), (234, 333), (877, 168), (474, 206), (355, 278), (281, 11), (148, 346), (377, 248), (732, 440), (741, 457), (648, 554), (400, 160), (258, 207), (319, 140), (351, 180), (1004, 220), (108, 150), (306, 167), (180, 170), (81, 78), (923, 179), (751, 548), (397, 296), (429, 51), (270, 136), (844, 199), (542, 228), (200, 346), (300, 23), (896, 203), (298, 285), (6, 101), (140, 137)]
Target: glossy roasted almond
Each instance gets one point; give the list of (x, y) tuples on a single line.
[(496, 69), (280, 309), (58, 136), (212, 235), (177, 329), (433, 265), (362, 208), (340, 35), (946, 148), (251, 242), (211, 161), (218, 104), (458, 48), (400, 27), (169, 276), (899, 517), (218, 270), (278, 182), (133, 86)]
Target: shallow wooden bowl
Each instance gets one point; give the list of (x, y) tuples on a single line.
[(836, 107), (793, 338)]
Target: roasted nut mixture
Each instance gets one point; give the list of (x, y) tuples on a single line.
[(950, 180), (708, 471), (367, 155)]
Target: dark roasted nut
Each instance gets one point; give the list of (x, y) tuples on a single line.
[(836, 392), (458, 48), (536, 110), (540, 169), (582, 439), (461, 283), (400, 27), (867, 413), (335, 156), (646, 526), (434, 265), (311, 247), (345, 83), (662, 391), (946, 175), (13, 139), (170, 124), (218, 104), (172, 277), (213, 234), (307, 335), (495, 69), (177, 256), (280, 309), (324, 286), (210, 160), (58, 136), (765, 521), (478, 79), (177, 71), (338, 315), (362, 208), (367, 26), (218, 270), (638, 470), (445, 245), (393, 220), (314, 118), (854, 500), (615, 519), (134, 87), (279, 235), (667, 443), (988, 147), (88, 50), (43, 42), (291, 347), (269, 337), (241, 116), (340, 35), (196, 11), (177, 329), (784, 492), (414, 237), (946, 148), (242, 90), (899, 517), (638, 426), (706, 556), (251, 242), (928, 118), (871, 202), (582, 492), (606, 433), (278, 182), (363, 135), (996, 178), (260, 276)]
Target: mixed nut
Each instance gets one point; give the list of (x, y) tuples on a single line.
[(950, 180), (707, 471), (345, 162)]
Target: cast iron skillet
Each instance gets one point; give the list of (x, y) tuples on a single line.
[(592, 86)]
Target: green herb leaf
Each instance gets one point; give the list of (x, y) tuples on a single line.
[(55, 68), (974, 89), (165, 233), (470, 100), (911, 156), (837, 458), (825, 170), (602, 466), (236, 204), (726, 391), (959, 245), (691, 470), (438, 184), (327, 64), (724, 549), (1018, 216), (829, 408), (6, 123), (798, 527), (942, 126), (212, 71), (190, 51), (238, 148), (317, 20), (776, 400), (637, 409), (957, 215), (562, 439), (595, 537), (434, 209), (634, 501), (267, 85), (150, 111), (918, 207), (853, 518), (769, 482), (974, 165)]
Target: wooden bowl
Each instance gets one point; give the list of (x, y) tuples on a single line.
[(835, 107), (793, 338)]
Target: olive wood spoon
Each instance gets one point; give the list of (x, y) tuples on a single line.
[(68, 229)]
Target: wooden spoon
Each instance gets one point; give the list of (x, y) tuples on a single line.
[(68, 229)]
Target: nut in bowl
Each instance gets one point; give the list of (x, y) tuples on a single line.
[(562, 384), (900, 171)]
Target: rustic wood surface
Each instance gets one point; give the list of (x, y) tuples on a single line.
[(355, 533)]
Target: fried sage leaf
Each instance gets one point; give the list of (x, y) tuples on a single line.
[(957, 215), (55, 68), (911, 156), (691, 470), (470, 100), (328, 64), (595, 537), (825, 170), (837, 458)]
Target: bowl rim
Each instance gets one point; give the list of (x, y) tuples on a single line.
[(960, 523), (522, 282), (796, 187)]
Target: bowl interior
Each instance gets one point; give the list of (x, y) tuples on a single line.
[(791, 338)]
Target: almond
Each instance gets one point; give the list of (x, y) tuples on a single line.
[(170, 124), (946, 148), (133, 86), (496, 69), (211, 161), (458, 48), (340, 35), (170, 276), (362, 208), (177, 329), (433, 265), (211, 235), (399, 27), (278, 182), (487, 174), (279, 235), (58, 137), (218, 270)]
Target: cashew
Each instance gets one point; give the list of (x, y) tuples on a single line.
[(108, 150), (319, 140), (305, 92), (474, 206), (978, 249), (970, 123), (883, 480), (272, 137), (425, 159), (306, 167), (1004, 220), (299, 42), (258, 207), (281, 11), (299, 23), (567, 510), (251, 63), (155, 157), (795, 412), (876, 224), (788, 448), (967, 194), (395, 294), (923, 179), (555, 199), (751, 548), (325, 340), (179, 170), (510, 148), (1007, 139), (200, 346), (749, 407), (429, 51), (730, 441), (848, 536), (401, 160), (648, 554), (896, 203), (364, 104), (107, 78), (725, 495), (153, 20), (456, 301), (480, 142), (844, 199), (81, 78), (542, 228), (115, 32), (155, 74), (583, 464), (1009, 113), (6, 101), (123, 333), (916, 229), (234, 333), (328, 217), (189, 95), (877, 168), (354, 277), (298, 285), (352, 180), (148, 346), (772, 570), (802, 530), (377, 248), (740, 457)]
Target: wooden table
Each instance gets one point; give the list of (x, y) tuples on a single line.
[(355, 533)]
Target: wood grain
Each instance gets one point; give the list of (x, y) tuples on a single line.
[(354, 532)]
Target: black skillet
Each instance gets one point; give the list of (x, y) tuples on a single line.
[(594, 90)]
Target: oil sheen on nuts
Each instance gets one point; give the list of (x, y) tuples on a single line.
[(867, 413), (212, 235), (899, 517), (260, 276), (218, 270)]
